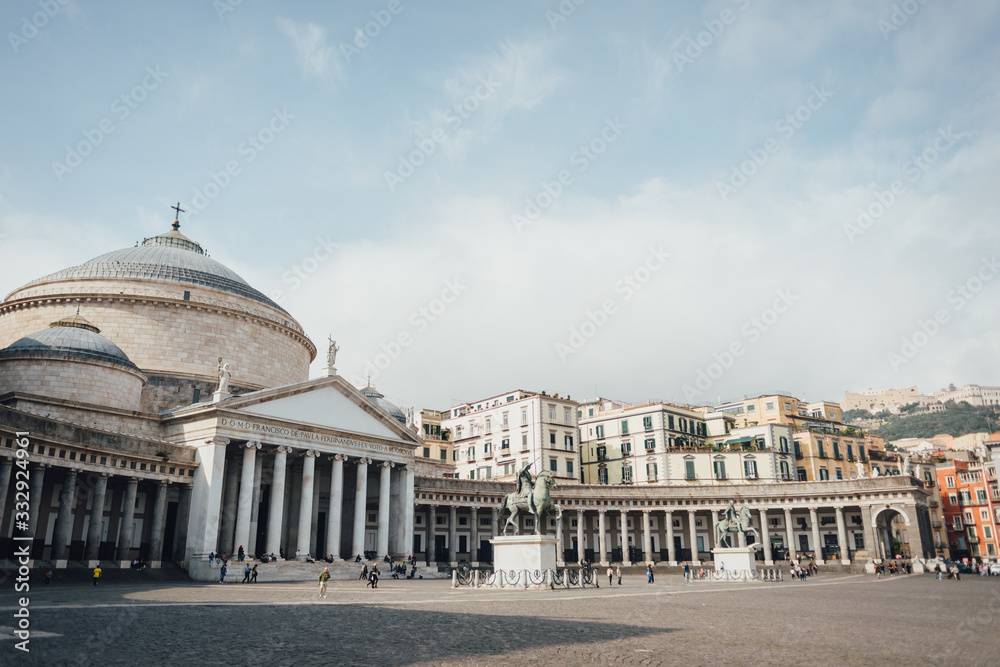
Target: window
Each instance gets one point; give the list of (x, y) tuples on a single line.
[(569, 467), (785, 475), (487, 447), (624, 427), (949, 482), (554, 465), (505, 443), (444, 454), (590, 413), (689, 470), (750, 468), (427, 455), (471, 453), (489, 428), (783, 444), (652, 473), (602, 475), (567, 416), (626, 448), (751, 408), (626, 474), (568, 441), (987, 532), (862, 454), (840, 473), (769, 406), (524, 441), (720, 469), (647, 423), (504, 423), (836, 450), (552, 413), (524, 417), (801, 474), (552, 438), (788, 406), (850, 452), (819, 444), (953, 498), (602, 453), (824, 473), (600, 430), (798, 449), (981, 495), (650, 444), (670, 422)]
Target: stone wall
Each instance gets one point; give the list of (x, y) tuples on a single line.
[(80, 380), (159, 330)]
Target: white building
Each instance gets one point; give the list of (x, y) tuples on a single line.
[(973, 394), (492, 438)]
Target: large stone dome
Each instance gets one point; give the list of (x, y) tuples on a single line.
[(174, 311), (171, 258), (68, 339)]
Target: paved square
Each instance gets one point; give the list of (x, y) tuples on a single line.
[(853, 620)]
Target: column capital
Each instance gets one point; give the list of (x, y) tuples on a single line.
[(646, 512), (283, 449), (339, 457), (310, 453), (217, 440), (387, 464), (251, 444), (363, 461), (163, 482)]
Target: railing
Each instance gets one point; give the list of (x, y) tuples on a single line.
[(525, 579)]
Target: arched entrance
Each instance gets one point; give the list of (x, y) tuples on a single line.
[(892, 533)]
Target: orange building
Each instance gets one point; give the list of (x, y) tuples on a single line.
[(967, 510)]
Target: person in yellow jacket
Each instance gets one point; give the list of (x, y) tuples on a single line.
[(97, 574), (324, 577)]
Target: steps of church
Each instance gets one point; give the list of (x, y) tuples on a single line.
[(304, 571)]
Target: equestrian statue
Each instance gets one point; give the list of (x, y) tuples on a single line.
[(734, 521), (531, 497)]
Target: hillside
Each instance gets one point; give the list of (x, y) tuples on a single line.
[(957, 419)]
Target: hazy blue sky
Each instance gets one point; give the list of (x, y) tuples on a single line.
[(611, 197)]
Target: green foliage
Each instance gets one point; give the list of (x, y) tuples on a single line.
[(911, 407), (957, 419), (851, 415)]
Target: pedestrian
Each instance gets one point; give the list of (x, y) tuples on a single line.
[(373, 577), (241, 554), (324, 577), (253, 575), (937, 569), (611, 575), (618, 573), (48, 577), (222, 574), (687, 573), (364, 571), (246, 574), (649, 574), (97, 574), (211, 558)]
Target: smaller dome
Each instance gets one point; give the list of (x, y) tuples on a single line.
[(70, 337), (378, 399)]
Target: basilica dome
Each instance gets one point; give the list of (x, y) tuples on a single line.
[(379, 399), (175, 313)]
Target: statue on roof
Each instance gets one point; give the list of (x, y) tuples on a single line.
[(224, 376), (331, 352)]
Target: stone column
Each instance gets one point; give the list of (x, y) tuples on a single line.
[(647, 540), (336, 506), (765, 535), (35, 501), (181, 522), (668, 516), (560, 545), (431, 525), (790, 534), (5, 467), (255, 511), (93, 549), (128, 515), (868, 530), (409, 500), (360, 507), (474, 535), (623, 533), (693, 529), (817, 547), (277, 504), (228, 524), (383, 509), (159, 521), (304, 545), (64, 520), (243, 510), (453, 536), (715, 541), (580, 545), (845, 548), (602, 530)]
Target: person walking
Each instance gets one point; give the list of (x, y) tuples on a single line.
[(241, 554), (222, 574), (324, 577), (246, 574), (48, 577), (618, 573), (97, 574), (687, 573), (373, 577), (649, 574), (611, 575), (253, 575), (364, 571)]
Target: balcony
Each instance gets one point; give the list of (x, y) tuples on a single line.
[(973, 539), (933, 503), (935, 523)]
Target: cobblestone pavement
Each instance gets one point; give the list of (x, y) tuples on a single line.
[(853, 620)]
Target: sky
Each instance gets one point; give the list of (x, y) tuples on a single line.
[(638, 200)]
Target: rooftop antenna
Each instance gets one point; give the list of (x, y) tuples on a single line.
[(177, 212)]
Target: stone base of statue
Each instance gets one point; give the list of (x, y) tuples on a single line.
[(734, 559), (524, 552)]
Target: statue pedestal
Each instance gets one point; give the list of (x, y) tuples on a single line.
[(735, 559), (524, 552)]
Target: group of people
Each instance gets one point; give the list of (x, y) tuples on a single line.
[(892, 568), (617, 572), (801, 573)]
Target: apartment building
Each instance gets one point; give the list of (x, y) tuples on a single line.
[(970, 517), (492, 438)]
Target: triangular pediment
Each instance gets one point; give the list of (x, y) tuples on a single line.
[(327, 403)]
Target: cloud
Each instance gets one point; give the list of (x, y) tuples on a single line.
[(316, 58)]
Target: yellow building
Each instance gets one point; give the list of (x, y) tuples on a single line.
[(436, 447)]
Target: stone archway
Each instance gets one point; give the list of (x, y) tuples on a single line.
[(882, 520)]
